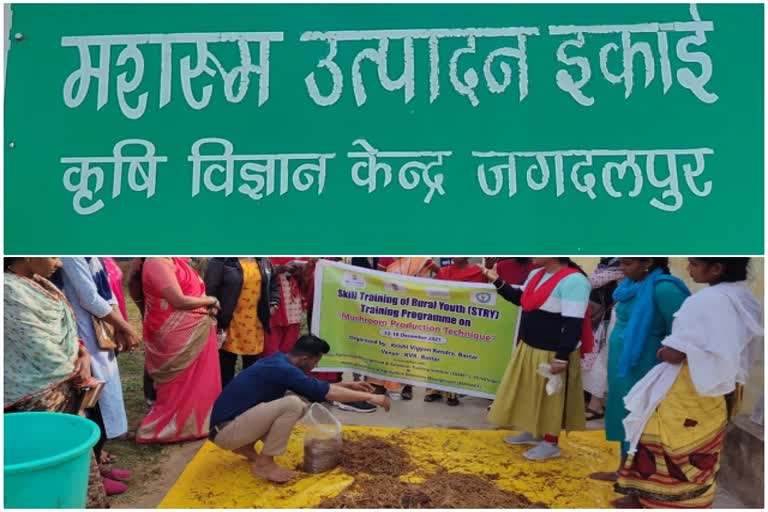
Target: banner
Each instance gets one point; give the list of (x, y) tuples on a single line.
[(442, 334), (375, 117)]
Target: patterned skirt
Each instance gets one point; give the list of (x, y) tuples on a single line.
[(64, 398), (678, 455)]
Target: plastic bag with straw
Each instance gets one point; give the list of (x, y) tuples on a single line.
[(322, 440)]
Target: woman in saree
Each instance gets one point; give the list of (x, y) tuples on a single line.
[(646, 303), (679, 411), (115, 276), (555, 328), (44, 360), (182, 355)]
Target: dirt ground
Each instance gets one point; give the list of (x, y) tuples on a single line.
[(169, 470)]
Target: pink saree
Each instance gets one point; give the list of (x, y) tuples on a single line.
[(181, 356), (115, 276)]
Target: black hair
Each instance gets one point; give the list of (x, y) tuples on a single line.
[(658, 263), (568, 262), (735, 269), (7, 262), (310, 345), (662, 263), (523, 261)]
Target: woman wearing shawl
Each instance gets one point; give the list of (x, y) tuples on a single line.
[(181, 351), (86, 285), (285, 322), (44, 362), (646, 303), (604, 281), (553, 323), (459, 270), (679, 411)]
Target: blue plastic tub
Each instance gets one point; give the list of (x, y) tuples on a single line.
[(47, 459)]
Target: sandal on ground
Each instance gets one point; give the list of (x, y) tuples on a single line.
[(594, 415), (434, 397), (407, 393), (120, 475), (453, 402), (113, 487)]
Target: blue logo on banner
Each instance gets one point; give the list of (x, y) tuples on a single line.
[(483, 297)]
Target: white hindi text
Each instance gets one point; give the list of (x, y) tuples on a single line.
[(494, 59), (217, 169)]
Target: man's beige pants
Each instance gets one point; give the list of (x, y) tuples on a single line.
[(270, 422)]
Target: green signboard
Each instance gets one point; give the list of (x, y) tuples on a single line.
[(355, 129), (447, 335)]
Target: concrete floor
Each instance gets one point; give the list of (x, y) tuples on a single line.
[(469, 415)]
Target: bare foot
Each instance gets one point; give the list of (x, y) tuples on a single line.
[(627, 502), (248, 452), (272, 472), (606, 476)]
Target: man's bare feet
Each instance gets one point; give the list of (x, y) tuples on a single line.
[(265, 467), (606, 476), (249, 452), (627, 502)]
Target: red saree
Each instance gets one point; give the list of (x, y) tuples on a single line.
[(181, 356), (467, 274)]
